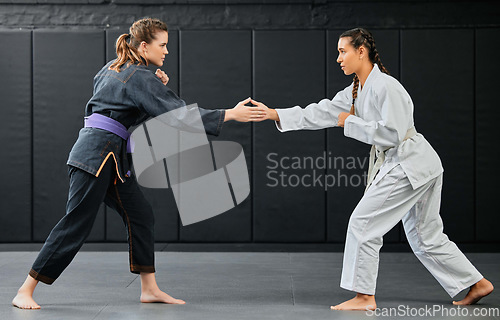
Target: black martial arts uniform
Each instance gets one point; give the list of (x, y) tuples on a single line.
[(99, 170)]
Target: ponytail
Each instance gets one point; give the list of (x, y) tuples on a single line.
[(124, 52)]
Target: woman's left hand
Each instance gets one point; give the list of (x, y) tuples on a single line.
[(162, 75)]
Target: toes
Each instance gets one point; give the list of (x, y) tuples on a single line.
[(27, 306)]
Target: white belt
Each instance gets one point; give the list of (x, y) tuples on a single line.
[(374, 166)]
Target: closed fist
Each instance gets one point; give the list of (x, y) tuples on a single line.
[(162, 75)]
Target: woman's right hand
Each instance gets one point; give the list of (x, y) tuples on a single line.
[(270, 114)]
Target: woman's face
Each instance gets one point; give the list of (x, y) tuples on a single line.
[(349, 57), (155, 51)]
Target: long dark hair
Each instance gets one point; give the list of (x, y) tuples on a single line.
[(362, 37), (141, 30)]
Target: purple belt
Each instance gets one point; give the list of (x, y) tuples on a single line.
[(99, 121)]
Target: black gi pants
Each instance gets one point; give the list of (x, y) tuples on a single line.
[(86, 193)]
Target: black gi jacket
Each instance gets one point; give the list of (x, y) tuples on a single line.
[(130, 97)]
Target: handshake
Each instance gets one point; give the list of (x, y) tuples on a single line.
[(256, 112), (242, 113)]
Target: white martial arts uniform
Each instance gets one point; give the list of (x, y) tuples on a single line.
[(407, 187)]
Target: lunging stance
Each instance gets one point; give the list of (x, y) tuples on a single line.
[(404, 179), (125, 94)]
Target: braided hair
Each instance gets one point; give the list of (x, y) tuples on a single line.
[(362, 37)]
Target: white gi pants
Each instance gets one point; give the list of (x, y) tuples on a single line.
[(383, 205)]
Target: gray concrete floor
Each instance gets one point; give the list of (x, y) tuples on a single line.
[(236, 285)]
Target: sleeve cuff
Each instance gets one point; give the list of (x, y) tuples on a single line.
[(279, 124), (221, 121), (347, 125)]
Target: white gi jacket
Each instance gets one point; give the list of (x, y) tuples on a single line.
[(383, 115)]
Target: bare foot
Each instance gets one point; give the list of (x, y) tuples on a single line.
[(24, 300), (480, 289), (159, 296), (360, 302)]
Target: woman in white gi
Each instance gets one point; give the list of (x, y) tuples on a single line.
[(377, 110)]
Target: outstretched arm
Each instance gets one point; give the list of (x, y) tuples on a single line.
[(315, 116), (240, 112)]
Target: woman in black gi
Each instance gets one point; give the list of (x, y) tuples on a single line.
[(126, 93)]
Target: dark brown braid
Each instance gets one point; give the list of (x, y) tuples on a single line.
[(362, 37)]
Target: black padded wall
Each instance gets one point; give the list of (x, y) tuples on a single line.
[(439, 76), (216, 69), (289, 70), (280, 52), (15, 136), (487, 152), (64, 64)]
